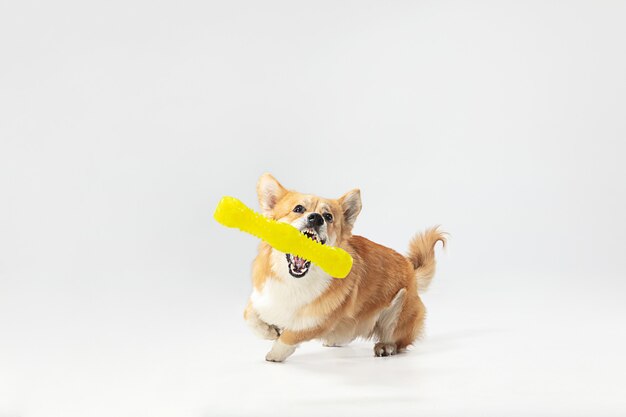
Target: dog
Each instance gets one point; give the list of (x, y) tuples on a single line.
[(294, 301)]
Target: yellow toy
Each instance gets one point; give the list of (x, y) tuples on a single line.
[(283, 237)]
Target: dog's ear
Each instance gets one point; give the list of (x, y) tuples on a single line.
[(269, 191), (351, 206)]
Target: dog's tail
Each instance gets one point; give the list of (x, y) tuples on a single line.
[(422, 255)]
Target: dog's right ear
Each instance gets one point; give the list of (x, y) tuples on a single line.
[(270, 192)]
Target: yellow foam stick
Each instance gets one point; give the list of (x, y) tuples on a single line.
[(283, 237)]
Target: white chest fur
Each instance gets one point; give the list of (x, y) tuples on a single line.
[(279, 302)]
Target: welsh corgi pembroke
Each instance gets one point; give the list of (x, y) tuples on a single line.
[(294, 301)]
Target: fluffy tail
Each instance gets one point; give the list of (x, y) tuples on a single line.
[(422, 255)]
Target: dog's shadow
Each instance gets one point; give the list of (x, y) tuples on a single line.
[(355, 364), (317, 379)]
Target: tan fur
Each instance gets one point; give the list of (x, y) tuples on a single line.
[(422, 256), (362, 304)]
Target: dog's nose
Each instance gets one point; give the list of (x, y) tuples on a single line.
[(314, 220)]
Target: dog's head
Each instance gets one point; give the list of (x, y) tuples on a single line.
[(328, 221)]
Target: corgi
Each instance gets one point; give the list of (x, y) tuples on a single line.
[(294, 301)]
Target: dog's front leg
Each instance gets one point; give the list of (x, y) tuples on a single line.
[(261, 328), (287, 343)]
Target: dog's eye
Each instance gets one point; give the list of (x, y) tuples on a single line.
[(328, 217), (298, 209)]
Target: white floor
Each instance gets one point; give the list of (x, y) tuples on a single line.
[(494, 346), (122, 124)]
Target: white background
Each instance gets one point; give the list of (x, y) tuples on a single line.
[(123, 122)]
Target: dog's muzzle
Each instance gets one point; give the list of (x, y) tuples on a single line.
[(298, 267)]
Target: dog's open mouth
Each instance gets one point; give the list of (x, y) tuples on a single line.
[(298, 267)]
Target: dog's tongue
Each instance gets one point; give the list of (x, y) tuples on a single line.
[(299, 262)]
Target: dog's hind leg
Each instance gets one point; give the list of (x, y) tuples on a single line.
[(340, 335), (386, 324), (410, 323)]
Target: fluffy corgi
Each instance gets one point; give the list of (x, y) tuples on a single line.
[(294, 301)]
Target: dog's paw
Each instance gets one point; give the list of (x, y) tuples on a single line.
[(280, 351), (269, 332), (385, 349), (264, 330)]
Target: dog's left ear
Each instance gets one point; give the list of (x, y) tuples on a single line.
[(351, 206), (270, 191)]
